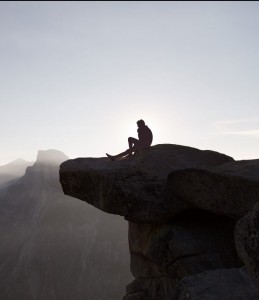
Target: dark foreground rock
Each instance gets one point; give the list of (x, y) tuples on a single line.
[(231, 189), (182, 205), (228, 284), (135, 187), (247, 240), (221, 284), (192, 242)]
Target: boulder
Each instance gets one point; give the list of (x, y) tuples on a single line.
[(134, 187), (231, 189)]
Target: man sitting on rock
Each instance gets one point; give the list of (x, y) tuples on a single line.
[(145, 140)]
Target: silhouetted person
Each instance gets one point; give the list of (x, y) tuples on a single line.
[(145, 140)]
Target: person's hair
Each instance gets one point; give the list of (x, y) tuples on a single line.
[(140, 122)]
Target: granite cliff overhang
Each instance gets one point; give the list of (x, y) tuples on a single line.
[(137, 187), (189, 211)]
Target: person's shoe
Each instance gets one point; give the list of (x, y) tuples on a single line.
[(110, 156)]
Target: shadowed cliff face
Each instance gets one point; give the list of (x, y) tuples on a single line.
[(53, 247), (182, 205)]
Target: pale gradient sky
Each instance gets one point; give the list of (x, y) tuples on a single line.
[(76, 76)]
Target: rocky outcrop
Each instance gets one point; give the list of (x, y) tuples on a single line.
[(134, 188), (192, 242), (182, 205), (231, 189)]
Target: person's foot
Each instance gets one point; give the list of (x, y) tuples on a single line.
[(110, 156)]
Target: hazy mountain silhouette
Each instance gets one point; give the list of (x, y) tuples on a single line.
[(57, 247), (13, 170)]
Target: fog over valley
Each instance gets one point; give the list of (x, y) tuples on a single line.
[(57, 247)]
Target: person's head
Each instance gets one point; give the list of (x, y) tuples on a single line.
[(140, 123)]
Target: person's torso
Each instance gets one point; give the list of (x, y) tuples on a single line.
[(145, 135)]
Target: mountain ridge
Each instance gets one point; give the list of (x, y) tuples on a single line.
[(50, 242)]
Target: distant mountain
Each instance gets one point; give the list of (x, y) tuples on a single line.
[(57, 247), (12, 171), (50, 157)]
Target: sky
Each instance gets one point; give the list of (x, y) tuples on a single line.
[(77, 76)]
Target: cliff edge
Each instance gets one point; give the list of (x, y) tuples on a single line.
[(182, 205)]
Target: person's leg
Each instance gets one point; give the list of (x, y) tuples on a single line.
[(125, 153), (133, 142), (133, 147), (113, 157), (110, 156)]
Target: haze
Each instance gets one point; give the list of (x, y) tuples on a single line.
[(76, 76)]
